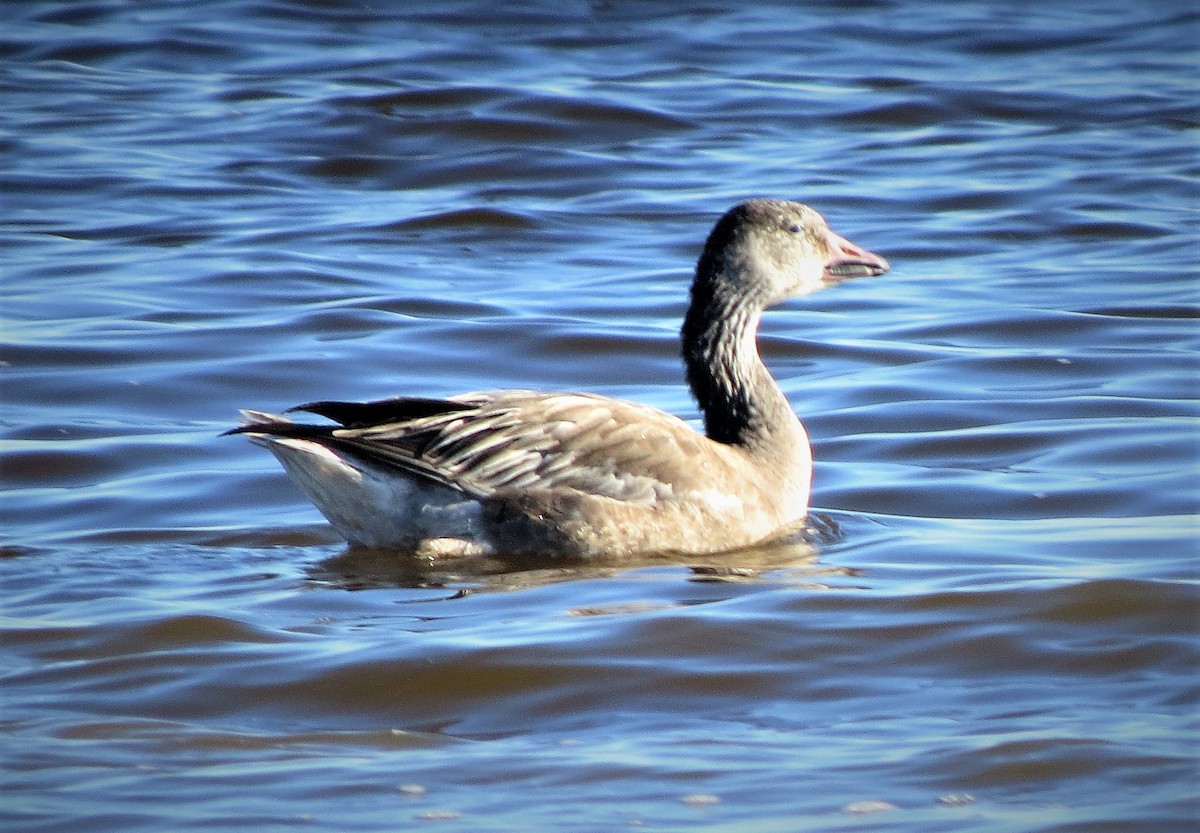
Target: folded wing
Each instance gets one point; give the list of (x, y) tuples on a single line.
[(488, 444)]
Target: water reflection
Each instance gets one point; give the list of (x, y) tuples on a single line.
[(789, 561)]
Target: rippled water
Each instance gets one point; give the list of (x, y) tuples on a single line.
[(259, 203)]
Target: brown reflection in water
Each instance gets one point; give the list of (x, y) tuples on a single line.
[(791, 560)]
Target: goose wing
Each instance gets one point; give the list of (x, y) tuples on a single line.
[(485, 444)]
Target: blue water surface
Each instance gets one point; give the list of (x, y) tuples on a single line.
[(255, 203)]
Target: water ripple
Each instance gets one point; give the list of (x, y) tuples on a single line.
[(990, 624)]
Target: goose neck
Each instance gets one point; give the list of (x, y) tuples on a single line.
[(740, 401)]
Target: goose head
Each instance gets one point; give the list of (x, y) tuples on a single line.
[(763, 251)]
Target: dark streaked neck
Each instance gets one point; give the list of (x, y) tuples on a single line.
[(740, 401)]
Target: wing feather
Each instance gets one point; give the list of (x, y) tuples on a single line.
[(487, 444)]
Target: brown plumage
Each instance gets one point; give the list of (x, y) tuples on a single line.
[(578, 474)]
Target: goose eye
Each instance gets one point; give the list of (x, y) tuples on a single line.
[(794, 229)]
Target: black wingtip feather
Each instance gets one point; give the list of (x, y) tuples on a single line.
[(297, 430), (381, 411)]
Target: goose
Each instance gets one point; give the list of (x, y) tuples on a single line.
[(580, 475)]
